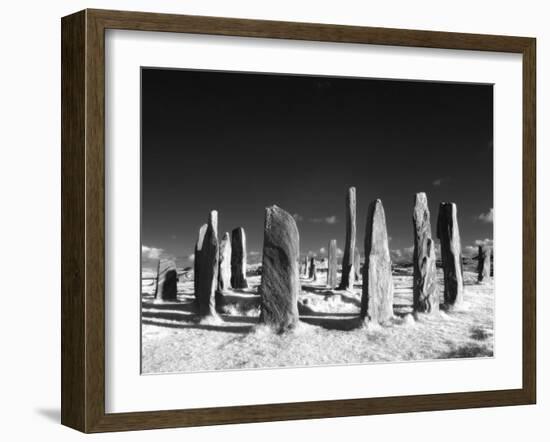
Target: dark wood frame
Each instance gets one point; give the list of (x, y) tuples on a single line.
[(83, 216)]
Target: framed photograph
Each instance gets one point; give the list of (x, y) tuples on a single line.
[(270, 220)]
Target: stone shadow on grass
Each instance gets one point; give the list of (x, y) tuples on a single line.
[(342, 322), (472, 350), (198, 326)]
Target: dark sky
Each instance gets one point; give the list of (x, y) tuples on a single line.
[(238, 142)]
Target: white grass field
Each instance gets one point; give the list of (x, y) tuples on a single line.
[(330, 331)]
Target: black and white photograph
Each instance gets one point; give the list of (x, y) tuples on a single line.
[(301, 220)]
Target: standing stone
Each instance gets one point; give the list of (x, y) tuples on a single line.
[(208, 260), (484, 263), (196, 262), (332, 265), (377, 298), (306, 266), (224, 273), (348, 272), (451, 254), (312, 269), (167, 279), (238, 259), (280, 280), (357, 264), (425, 296)]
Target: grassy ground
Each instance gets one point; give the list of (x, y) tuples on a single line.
[(330, 331)]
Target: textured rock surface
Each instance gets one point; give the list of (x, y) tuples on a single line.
[(484, 263), (357, 264), (348, 272), (377, 297), (332, 265), (306, 266), (208, 261), (238, 259), (196, 262), (425, 293), (167, 281), (451, 254), (224, 272), (280, 280)]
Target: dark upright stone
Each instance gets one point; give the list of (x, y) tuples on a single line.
[(167, 279), (238, 259), (196, 262), (484, 263), (332, 265), (348, 272), (224, 274), (377, 298), (451, 254), (425, 295), (312, 269), (280, 280), (208, 268)]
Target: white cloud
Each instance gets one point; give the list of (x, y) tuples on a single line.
[(322, 250), (298, 217), (327, 220), (339, 252), (253, 253), (151, 252), (469, 251), (191, 257), (486, 217), (437, 182), (403, 255), (483, 242)]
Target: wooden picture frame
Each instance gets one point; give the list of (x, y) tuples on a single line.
[(83, 219)]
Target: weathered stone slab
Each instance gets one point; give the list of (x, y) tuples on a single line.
[(238, 259), (357, 264), (224, 273), (208, 262), (280, 280), (196, 262), (484, 263), (377, 297), (425, 293), (332, 264), (348, 273), (312, 269), (167, 280), (451, 254)]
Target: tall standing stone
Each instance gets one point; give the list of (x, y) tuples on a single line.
[(332, 265), (208, 268), (224, 273), (357, 264), (306, 266), (312, 269), (238, 259), (280, 280), (377, 297), (425, 295), (196, 262), (348, 272), (451, 254), (167, 280), (484, 263)]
